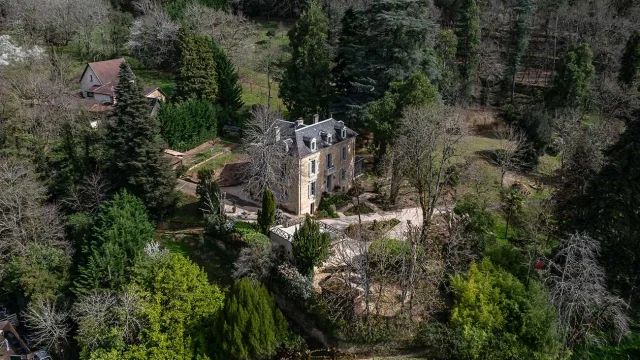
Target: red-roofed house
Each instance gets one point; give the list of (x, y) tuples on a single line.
[(99, 81)]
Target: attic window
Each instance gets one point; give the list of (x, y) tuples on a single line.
[(343, 133), (90, 78), (313, 145), (329, 138)]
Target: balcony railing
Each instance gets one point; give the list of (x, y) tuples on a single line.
[(331, 169)]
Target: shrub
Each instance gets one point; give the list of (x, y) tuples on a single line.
[(392, 252), (188, 124), (252, 236), (330, 203)]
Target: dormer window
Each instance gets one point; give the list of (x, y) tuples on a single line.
[(313, 145), (329, 138), (343, 133)]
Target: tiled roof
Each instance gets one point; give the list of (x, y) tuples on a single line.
[(301, 135), (107, 71)]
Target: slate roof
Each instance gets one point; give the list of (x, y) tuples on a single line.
[(300, 135)]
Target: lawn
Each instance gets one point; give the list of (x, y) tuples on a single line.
[(221, 160)]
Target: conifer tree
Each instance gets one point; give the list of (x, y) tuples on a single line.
[(229, 89), (574, 79), (310, 246), (519, 42), (630, 67), (197, 68), (121, 232), (250, 327), (306, 83), (612, 214), (468, 33), (136, 148), (267, 216)]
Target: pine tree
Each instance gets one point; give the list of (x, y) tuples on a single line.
[(250, 327), (229, 89), (306, 83), (573, 81), (197, 69), (267, 216), (519, 42), (468, 33), (121, 232), (310, 246), (136, 148), (612, 214), (630, 67)]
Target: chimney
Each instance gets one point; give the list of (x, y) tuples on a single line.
[(316, 117), (300, 122)]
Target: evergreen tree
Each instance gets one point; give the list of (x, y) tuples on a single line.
[(137, 161), (187, 124), (267, 216), (351, 41), (209, 191), (519, 42), (306, 83), (630, 67), (310, 246), (468, 32), (121, 231), (383, 114), (250, 327), (446, 49), (612, 214), (196, 69), (229, 89), (573, 80), (396, 43)]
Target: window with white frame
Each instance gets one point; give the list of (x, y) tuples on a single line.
[(343, 133), (313, 144), (343, 153), (312, 189), (313, 168), (329, 138)]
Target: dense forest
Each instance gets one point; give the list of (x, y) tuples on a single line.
[(510, 127)]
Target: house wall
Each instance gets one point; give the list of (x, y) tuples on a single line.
[(301, 201), (101, 98), (86, 81)]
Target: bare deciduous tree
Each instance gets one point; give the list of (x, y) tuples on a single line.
[(24, 219), (425, 150), (270, 166), (508, 155), (154, 36), (93, 315), (577, 289), (48, 324), (254, 262), (89, 195), (235, 33)]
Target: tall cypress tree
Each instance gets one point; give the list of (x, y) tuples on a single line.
[(306, 83), (630, 67), (468, 33), (250, 327), (519, 42), (197, 68), (267, 216), (229, 89), (136, 148)]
